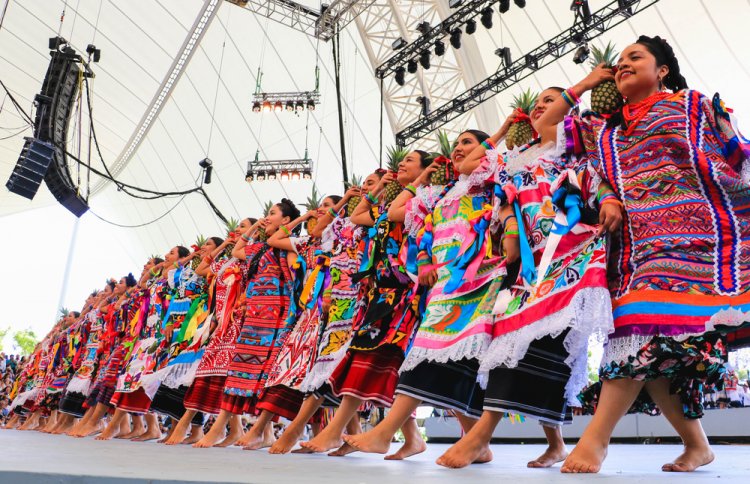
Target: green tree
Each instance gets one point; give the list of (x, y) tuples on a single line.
[(3, 334), (25, 340)]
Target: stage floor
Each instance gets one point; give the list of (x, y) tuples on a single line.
[(31, 457)]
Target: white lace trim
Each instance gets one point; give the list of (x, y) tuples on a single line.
[(79, 385), (561, 143), (321, 371), (173, 376), (588, 314), (24, 397), (472, 347)]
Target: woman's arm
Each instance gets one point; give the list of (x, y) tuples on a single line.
[(361, 214), (327, 217), (280, 238), (474, 159), (397, 210), (239, 248)]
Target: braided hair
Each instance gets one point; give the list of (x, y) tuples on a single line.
[(481, 136), (289, 209), (130, 280), (665, 56), (425, 159)]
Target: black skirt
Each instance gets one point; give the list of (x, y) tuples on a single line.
[(72, 404), (170, 402), (452, 385), (536, 387)]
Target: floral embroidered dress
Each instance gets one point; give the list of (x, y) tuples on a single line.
[(682, 259), (82, 380), (562, 284), (298, 352), (341, 238), (451, 227)]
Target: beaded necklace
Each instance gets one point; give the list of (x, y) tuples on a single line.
[(633, 113)]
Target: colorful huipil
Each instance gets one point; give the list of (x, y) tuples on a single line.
[(450, 232), (141, 357), (83, 378), (562, 284), (178, 358), (682, 258), (66, 355), (298, 351), (267, 300), (341, 238)]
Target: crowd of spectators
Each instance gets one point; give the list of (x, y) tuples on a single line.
[(9, 364)]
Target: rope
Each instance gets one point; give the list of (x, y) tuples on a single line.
[(216, 92)]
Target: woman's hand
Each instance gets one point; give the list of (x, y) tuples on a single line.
[(507, 124), (427, 276), (311, 214), (424, 177), (599, 75), (384, 180), (352, 192), (168, 333), (610, 218), (512, 249)]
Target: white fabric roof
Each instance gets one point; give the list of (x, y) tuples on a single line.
[(139, 41)]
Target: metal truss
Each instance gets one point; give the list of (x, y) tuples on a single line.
[(260, 170), (387, 20), (338, 15), (555, 48), (287, 96)]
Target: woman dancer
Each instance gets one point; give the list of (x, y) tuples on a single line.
[(683, 254)]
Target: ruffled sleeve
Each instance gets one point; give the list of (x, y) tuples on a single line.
[(300, 244), (722, 135)]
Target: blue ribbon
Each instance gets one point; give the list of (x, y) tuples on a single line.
[(459, 266), (412, 250), (571, 204)]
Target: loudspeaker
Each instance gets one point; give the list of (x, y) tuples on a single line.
[(31, 167)]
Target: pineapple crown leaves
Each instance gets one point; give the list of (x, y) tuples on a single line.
[(201, 240), (444, 142), (314, 200), (396, 156), (524, 101), (154, 256), (608, 55), (232, 225), (64, 312), (267, 208), (354, 181)]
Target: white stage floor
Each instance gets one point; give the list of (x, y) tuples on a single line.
[(31, 457)]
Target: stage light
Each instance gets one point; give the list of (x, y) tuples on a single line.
[(424, 102), (486, 18), (411, 66), (471, 26), (261, 176), (625, 8), (582, 10), (307, 175), (208, 168), (520, 3), (278, 107), (455, 38), (531, 61), (300, 106), (400, 76), (290, 105), (295, 175), (267, 108), (582, 53), (271, 175), (504, 54), (249, 177), (424, 59), (311, 105), (284, 175), (423, 27), (256, 107), (439, 48), (455, 3), (504, 6), (399, 43)]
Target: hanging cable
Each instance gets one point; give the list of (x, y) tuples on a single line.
[(2, 16), (382, 105), (62, 18), (216, 92), (336, 46)]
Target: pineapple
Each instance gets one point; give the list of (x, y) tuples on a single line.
[(395, 156), (605, 98), (521, 132), (354, 181), (261, 233), (232, 225), (64, 312), (199, 242), (445, 173), (312, 203)]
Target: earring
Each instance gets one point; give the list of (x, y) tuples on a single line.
[(661, 85)]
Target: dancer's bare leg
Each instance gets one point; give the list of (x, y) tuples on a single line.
[(378, 440), (181, 428), (153, 430), (94, 423), (473, 446), (697, 450), (81, 422), (125, 427), (216, 432), (330, 437), (139, 428), (352, 428), (260, 434), (556, 450), (13, 422), (50, 424), (115, 425), (170, 432), (31, 421), (294, 430), (616, 398), (64, 422), (235, 431), (413, 442), (196, 433)]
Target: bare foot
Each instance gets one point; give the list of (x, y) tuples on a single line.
[(90, 429), (464, 452), (286, 442), (410, 448), (690, 460), (345, 449), (214, 435), (232, 437), (262, 442), (150, 434), (372, 442), (195, 436), (323, 442), (550, 457), (137, 431), (586, 458), (109, 432), (177, 436)]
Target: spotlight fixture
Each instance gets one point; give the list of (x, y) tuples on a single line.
[(271, 175), (290, 106), (267, 108), (424, 59), (293, 101), (582, 10), (261, 176), (311, 105), (249, 177), (399, 43), (504, 6), (582, 53), (278, 107), (471, 26), (411, 66), (307, 175), (625, 8), (439, 48), (455, 3), (455, 38), (295, 175), (256, 107), (520, 3), (400, 76), (531, 61), (284, 175), (208, 168), (504, 54), (423, 27), (486, 18), (424, 101), (94, 52)]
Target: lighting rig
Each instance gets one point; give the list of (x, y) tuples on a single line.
[(291, 101), (431, 38), (269, 170), (574, 38)]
